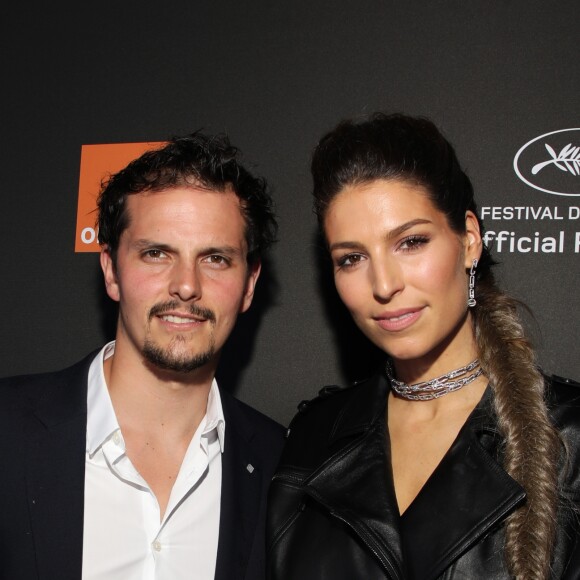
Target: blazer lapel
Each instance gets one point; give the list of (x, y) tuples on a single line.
[(356, 482), (467, 495), (55, 471), (240, 495)]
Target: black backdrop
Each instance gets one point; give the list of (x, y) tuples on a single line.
[(276, 76)]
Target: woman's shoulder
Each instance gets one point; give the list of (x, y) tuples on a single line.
[(322, 423), (316, 416), (563, 399)]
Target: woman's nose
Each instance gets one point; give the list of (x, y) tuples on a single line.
[(387, 280)]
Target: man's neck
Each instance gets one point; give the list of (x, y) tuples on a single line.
[(147, 398), (158, 414)]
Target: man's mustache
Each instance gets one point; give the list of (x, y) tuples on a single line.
[(193, 309)]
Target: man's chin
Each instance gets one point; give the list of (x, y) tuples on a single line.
[(181, 363)]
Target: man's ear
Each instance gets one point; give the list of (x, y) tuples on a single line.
[(473, 242), (253, 275), (110, 274)]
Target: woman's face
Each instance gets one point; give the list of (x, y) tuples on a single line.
[(401, 270)]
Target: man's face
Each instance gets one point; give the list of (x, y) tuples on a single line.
[(181, 276)]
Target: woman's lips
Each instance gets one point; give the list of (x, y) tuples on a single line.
[(399, 319)]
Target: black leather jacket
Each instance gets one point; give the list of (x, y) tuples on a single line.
[(333, 513)]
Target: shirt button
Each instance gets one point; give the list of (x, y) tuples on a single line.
[(116, 438), (157, 545)]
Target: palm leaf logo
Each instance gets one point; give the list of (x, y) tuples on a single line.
[(567, 160)]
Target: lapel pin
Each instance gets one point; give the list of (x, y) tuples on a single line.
[(250, 467)]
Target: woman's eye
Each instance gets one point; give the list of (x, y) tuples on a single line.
[(413, 242), (349, 260)]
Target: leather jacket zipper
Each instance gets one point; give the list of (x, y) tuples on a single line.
[(371, 545)]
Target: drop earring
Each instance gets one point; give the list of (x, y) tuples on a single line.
[(471, 302)]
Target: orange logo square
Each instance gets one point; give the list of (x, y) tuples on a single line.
[(98, 162)]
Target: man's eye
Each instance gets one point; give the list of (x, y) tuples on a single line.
[(217, 260), (154, 254)]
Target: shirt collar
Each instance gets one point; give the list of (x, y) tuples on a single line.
[(101, 419), (215, 415)]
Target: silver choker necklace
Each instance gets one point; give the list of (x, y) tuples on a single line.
[(435, 388)]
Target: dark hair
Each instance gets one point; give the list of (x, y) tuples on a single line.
[(192, 160), (392, 147), (400, 147)]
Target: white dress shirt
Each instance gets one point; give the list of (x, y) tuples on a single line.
[(124, 538)]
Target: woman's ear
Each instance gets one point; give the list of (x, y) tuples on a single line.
[(473, 241)]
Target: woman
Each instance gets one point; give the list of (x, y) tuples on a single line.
[(447, 463)]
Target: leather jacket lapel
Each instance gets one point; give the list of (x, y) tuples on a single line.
[(356, 483), (440, 525)]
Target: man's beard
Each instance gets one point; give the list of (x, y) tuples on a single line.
[(169, 359)]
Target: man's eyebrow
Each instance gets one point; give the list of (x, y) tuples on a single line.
[(229, 250), (347, 245), (145, 244)]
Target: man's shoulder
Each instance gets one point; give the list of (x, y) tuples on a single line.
[(252, 429), (237, 411), (37, 384)]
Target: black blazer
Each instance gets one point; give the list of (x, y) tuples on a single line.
[(333, 511), (43, 422)]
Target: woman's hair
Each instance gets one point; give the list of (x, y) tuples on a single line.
[(412, 149)]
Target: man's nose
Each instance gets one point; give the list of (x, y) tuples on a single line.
[(185, 281)]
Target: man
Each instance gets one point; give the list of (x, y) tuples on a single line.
[(133, 464)]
